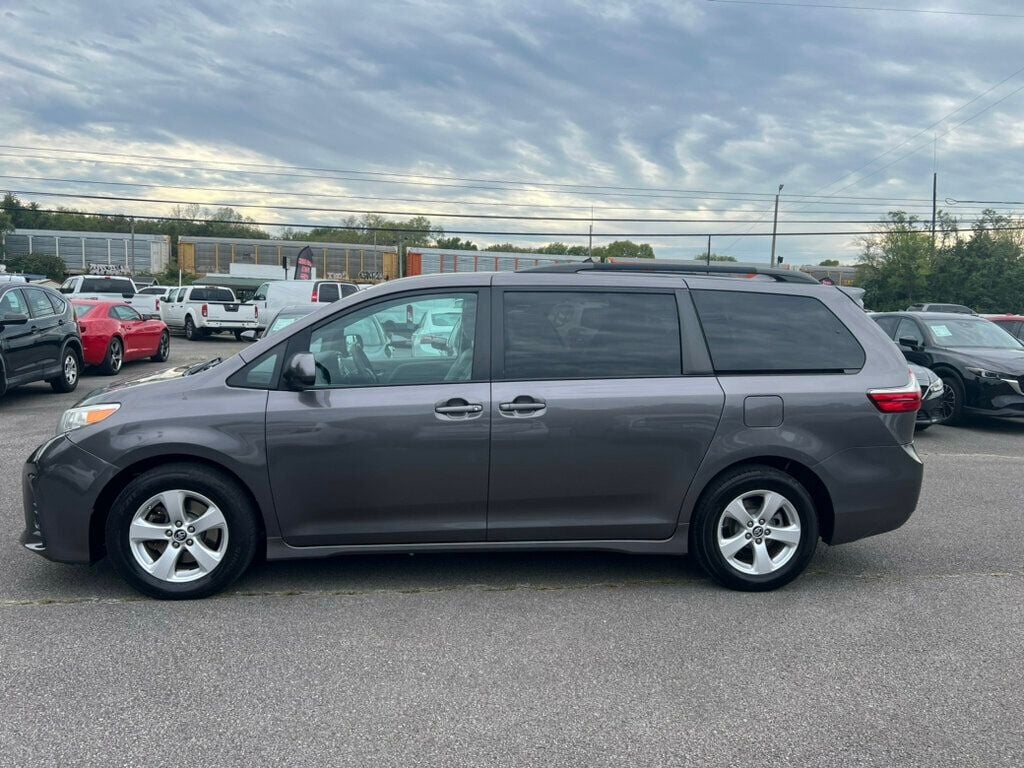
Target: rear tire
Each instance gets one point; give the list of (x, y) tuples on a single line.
[(164, 350), (70, 370), (210, 555), (760, 552), (114, 359)]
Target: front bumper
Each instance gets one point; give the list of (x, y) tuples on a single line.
[(931, 410), (873, 490), (995, 397), (59, 486)]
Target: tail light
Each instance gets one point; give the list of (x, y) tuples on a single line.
[(256, 310), (905, 399), (205, 310), (158, 305), (316, 296)]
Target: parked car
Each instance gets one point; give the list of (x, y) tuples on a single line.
[(114, 333), (39, 338), (272, 296), (199, 310), (933, 408), (1012, 324), (738, 420), (981, 365), (958, 309), (110, 288)]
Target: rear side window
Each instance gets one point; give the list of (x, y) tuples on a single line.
[(590, 335), (38, 302), (58, 304), (775, 333)]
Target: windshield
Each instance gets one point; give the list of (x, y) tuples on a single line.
[(971, 333)]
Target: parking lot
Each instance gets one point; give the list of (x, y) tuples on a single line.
[(902, 649)]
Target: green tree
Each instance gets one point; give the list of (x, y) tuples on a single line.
[(715, 257), (38, 264), (895, 263), (624, 249), (454, 244), (829, 263)]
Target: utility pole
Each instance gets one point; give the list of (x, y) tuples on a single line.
[(709, 250), (935, 193), (775, 223), (590, 239), (133, 247)]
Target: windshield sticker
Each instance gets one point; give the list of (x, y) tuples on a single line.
[(941, 330)]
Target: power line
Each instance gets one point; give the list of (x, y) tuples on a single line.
[(837, 6), (415, 230)]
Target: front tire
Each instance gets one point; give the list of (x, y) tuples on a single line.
[(114, 358), (181, 532), (190, 329), (70, 368), (952, 409), (163, 351), (755, 529)]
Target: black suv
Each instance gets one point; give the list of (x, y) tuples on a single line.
[(981, 365), (39, 339)]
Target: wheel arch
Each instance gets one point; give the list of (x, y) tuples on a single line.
[(116, 484), (801, 472)]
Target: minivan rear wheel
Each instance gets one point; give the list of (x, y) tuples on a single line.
[(182, 531), (755, 529)]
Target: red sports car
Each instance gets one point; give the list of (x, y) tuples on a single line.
[(114, 333)]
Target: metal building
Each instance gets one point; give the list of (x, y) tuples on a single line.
[(343, 261), (429, 261), (79, 250)]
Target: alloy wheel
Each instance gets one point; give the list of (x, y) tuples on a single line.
[(70, 368), (178, 536), (758, 532), (116, 355)]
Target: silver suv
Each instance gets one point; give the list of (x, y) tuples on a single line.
[(589, 406)]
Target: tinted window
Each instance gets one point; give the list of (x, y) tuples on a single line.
[(908, 329), (38, 304), (12, 303), (393, 342), (768, 332), (590, 335), (888, 324), (58, 304), (155, 290), (260, 373), (347, 289), (125, 313), (107, 285), (212, 294), (328, 292)]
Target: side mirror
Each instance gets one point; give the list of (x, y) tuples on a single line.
[(906, 341), (300, 372), (12, 318)]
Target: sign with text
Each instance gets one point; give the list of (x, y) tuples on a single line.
[(304, 264)]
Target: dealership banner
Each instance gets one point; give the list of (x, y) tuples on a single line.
[(304, 264)]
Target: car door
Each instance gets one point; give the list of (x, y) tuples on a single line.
[(47, 330), (133, 331), (19, 354), (389, 450), (176, 309), (599, 421), (916, 352)]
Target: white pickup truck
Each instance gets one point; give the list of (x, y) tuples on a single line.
[(110, 288), (200, 310)]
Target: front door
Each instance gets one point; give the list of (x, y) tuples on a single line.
[(388, 446), (19, 354), (596, 432), (47, 330)]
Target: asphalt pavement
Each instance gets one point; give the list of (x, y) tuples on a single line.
[(903, 649)]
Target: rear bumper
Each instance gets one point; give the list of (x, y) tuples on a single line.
[(94, 349), (230, 325), (59, 486), (873, 490)]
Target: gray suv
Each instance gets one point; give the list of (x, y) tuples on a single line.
[(581, 407)]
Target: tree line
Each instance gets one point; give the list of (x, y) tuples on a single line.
[(981, 266)]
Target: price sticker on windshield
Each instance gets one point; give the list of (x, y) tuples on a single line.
[(941, 330)]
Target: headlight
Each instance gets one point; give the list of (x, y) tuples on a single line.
[(936, 387), (983, 374), (73, 418)]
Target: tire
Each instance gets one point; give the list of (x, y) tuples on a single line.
[(114, 359), (952, 399), (71, 369), (757, 564), (163, 351), (190, 329), (138, 523), (238, 336), (3, 378)]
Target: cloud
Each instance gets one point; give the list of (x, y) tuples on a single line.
[(679, 94)]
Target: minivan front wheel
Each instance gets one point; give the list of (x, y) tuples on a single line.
[(181, 531), (755, 529)]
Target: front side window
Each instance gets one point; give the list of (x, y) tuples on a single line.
[(587, 335), (775, 333), (38, 304), (971, 332), (261, 293), (125, 313), (13, 303), (908, 330), (391, 343)]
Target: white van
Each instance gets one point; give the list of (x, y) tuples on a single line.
[(272, 296)]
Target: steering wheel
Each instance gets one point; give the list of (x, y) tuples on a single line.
[(323, 369), (363, 363)]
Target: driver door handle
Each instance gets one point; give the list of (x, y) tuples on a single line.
[(522, 404), (457, 407)]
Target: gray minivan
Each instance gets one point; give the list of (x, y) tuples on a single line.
[(587, 406)]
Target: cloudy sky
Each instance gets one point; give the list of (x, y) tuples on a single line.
[(680, 110)]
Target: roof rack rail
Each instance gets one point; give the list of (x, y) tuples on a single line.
[(677, 268)]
